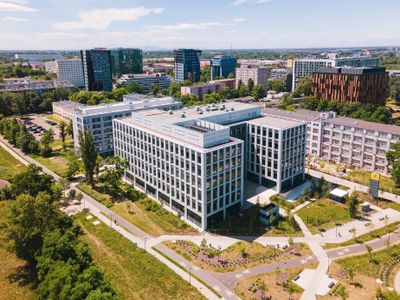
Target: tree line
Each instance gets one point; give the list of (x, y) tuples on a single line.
[(50, 242)]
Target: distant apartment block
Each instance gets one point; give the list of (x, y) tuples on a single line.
[(345, 140), (278, 74), (307, 66), (200, 90), (259, 75), (222, 66), (187, 65), (38, 56), (71, 70), (194, 160), (30, 85), (50, 67), (98, 119), (145, 81), (345, 84), (126, 61), (97, 69)]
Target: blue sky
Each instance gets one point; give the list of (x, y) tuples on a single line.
[(204, 24)]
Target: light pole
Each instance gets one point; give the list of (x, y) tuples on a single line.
[(145, 238)]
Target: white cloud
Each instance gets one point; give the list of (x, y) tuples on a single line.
[(15, 6), (239, 20), (13, 19), (101, 19), (186, 26), (240, 2)]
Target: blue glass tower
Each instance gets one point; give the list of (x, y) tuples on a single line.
[(97, 69), (187, 65), (222, 66)]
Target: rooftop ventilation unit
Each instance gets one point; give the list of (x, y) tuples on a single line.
[(232, 109), (183, 115), (170, 112)]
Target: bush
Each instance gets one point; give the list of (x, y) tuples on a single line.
[(79, 196), (72, 194)]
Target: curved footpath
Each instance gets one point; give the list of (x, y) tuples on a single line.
[(397, 282)]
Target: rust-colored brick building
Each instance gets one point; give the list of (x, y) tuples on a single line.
[(365, 85)]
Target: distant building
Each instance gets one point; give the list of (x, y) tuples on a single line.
[(259, 75), (98, 119), (307, 66), (145, 81), (345, 140), (202, 89), (50, 67), (222, 66), (35, 86), (187, 65), (126, 61), (97, 69), (364, 85), (37, 56), (66, 109), (71, 70), (280, 74)]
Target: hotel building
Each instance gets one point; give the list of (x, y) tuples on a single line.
[(71, 70)]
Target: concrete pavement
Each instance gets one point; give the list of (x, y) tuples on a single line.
[(397, 282)]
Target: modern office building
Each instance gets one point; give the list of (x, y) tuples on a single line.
[(126, 61), (202, 89), (308, 66), (222, 66), (31, 85), (345, 140), (145, 81), (346, 84), (193, 160), (187, 65), (71, 70), (97, 69), (259, 75), (98, 119)]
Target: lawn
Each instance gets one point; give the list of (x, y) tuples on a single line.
[(133, 273), (363, 177), (144, 213), (239, 256), (377, 233), (248, 224), (362, 265), (278, 284), (323, 214), (9, 166), (14, 280), (57, 162)]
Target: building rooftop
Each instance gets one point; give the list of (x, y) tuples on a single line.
[(346, 121), (275, 122), (300, 114)]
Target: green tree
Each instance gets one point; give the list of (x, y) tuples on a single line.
[(250, 85), (258, 92), (304, 86), (88, 154), (276, 85), (155, 88), (353, 204), (70, 129), (111, 177), (393, 158), (28, 221), (73, 167), (394, 88), (45, 141), (63, 131)]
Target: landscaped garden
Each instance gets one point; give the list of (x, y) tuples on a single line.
[(241, 255), (132, 272), (274, 285), (248, 223), (324, 214)]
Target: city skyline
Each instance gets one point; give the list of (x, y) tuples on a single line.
[(240, 24)]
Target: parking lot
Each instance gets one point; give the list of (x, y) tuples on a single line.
[(37, 125)]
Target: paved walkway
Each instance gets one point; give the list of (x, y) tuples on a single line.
[(397, 282)]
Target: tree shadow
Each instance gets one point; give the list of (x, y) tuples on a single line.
[(23, 275)]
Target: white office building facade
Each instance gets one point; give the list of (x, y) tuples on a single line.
[(98, 119), (71, 70)]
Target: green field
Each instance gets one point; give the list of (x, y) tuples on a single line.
[(14, 280), (363, 265), (323, 214), (57, 162), (133, 273), (9, 166)]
